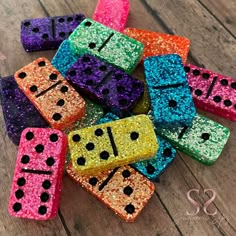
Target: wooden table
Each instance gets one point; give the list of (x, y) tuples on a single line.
[(211, 26)]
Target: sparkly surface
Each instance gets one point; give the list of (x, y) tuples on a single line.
[(204, 141), (143, 104), (107, 44), (19, 113), (52, 95), (212, 92), (156, 44), (113, 17), (171, 100), (38, 174), (126, 192), (49, 32), (64, 58), (154, 167), (105, 84), (113, 144)]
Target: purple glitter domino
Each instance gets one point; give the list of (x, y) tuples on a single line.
[(19, 113), (48, 33), (105, 84)]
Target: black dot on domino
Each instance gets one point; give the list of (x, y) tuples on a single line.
[(88, 71), (69, 19), (16, 207), (89, 82), (130, 209), (105, 91), (56, 116), (104, 155), (42, 63), (42, 210), (187, 69), (167, 152), (233, 85), (126, 173), (53, 137), (205, 136), (103, 68), (45, 36), (217, 99), (205, 76), (22, 75), (27, 24), (46, 184), (61, 20), (118, 76), (81, 161), (88, 24), (150, 169), (21, 181), (86, 59), (33, 88), (134, 136), (25, 159), (19, 194), (196, 72), (93, 181), (224, 82), (172, 103), (29, 135), (44, 197), (50, 161), (198, 92), (136, 85), (92, 45), (90, 146), (53, 76), (72, 73), (76, 138), (128, 190), (227, 103), (98, 132), (35, 30), (64, 89), (39, 148), (120, 89), (62, 34), (61, 103)]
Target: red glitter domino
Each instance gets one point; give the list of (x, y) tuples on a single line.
[(212, 92), (38, 174), (113, 14)]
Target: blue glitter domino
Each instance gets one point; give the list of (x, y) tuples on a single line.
[(170, 96), (153, 168), (64, 58)]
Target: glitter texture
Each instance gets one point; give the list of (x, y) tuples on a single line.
[(123, 190), (19, 113), (106, 146), (107, 44), (105, 84), (49, 32), (156, 44), (52, 95), (38, 174), (113, 14), (212, 92), (64, 58), (171, 100), (204, 141), (143, 104), (154, 167)]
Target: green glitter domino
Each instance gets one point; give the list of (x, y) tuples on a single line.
[(107, 44), (204, 141)]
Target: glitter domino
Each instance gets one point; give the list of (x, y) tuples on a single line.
[(19, 113), (38, 174), (122, 189), (105, 84), (170, 96), (49, 32), (113, 144), (110, 16), (212, 92), (156, 44), (204, 141), (153, 168), (106, 44), (52, 95)]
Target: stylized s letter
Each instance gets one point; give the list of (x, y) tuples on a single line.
[(207, 203), (193, 202)]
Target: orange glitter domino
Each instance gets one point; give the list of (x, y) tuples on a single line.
[(123, 189), (156, 44), (51, 94)]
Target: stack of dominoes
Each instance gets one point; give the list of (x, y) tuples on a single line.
[(122, 132)]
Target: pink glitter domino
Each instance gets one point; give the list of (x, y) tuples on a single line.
[(38, 174), (212, 92), (112, 13)]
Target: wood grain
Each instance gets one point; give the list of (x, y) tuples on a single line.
[(211, 27)]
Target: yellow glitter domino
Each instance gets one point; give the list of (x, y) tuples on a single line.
[(117, 143)]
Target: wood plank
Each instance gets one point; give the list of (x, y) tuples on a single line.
[(224, 11)]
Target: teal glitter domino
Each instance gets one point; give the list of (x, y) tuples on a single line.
[(170, 96), (152, 168), (107, 44), (204, 141), (64, 58)]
